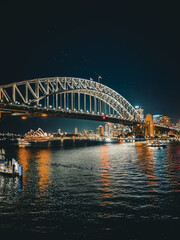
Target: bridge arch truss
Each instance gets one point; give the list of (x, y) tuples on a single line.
[(69, 94)]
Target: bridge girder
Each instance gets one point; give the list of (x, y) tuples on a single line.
[(32, 92)]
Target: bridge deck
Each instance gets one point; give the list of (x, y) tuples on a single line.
[(19, 110)]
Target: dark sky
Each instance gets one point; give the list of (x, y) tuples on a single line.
[(135, 48)]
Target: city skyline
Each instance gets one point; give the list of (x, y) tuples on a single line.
[(103, 128)]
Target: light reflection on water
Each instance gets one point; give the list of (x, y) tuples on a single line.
[(105, 167), (101, 186), (145, 161), (42, 160)]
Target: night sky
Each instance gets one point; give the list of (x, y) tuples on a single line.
[(135, 48)]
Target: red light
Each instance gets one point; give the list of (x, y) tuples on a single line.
[(103, 117)]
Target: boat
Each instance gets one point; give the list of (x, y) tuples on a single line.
[(23, 143), (108, 140), (157, 144)]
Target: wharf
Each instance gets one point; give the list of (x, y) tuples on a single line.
[(9, 167)]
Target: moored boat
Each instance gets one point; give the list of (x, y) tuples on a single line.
[(23, 143), (157, 144)]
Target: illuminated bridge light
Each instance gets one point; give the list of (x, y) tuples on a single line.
[(44, 115), (23, 117)]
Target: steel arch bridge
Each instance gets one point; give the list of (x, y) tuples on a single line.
[(66, 97)]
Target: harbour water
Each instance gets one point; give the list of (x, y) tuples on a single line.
[(90, 191)]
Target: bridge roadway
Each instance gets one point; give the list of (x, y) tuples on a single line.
[(29, 111)]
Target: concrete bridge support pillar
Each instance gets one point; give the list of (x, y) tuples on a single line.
[(149, 127)]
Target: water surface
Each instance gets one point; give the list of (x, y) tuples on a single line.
[(83, 191)]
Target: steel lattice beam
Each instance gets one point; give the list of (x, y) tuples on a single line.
[(33, 91)]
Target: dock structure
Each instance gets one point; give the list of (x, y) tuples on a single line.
[(9, 167)]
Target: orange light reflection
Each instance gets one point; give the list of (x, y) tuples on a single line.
[(23, 159), (105, 176), (145, 161), (44, 157)]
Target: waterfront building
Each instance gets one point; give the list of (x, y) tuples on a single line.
[(100, 130), (108, 127), (140, 111), (84, 132), (178, 125), (76, 130), (120, 129), (157, 118), (59, 131), (165, 121)]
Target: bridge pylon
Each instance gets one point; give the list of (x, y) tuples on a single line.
[(149, 126)]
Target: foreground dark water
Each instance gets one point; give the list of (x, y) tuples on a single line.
[(77, 191)]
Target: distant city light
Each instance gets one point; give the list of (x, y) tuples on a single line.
[(24, 118)]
